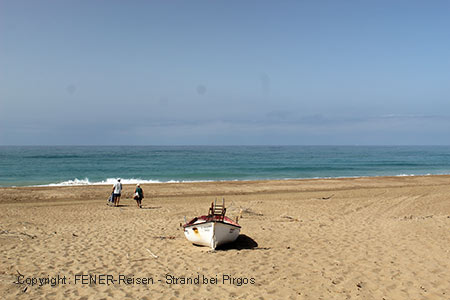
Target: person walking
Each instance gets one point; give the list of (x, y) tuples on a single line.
[(138, 195), (117, 191)]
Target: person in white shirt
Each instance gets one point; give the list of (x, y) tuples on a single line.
[(117, 190)]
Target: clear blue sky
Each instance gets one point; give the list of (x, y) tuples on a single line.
[(224, 72)]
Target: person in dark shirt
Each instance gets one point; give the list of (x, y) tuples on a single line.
[(138, 195)]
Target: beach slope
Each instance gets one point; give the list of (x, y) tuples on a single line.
[(349, 238)]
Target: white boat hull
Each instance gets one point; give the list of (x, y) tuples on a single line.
[(211, 234)]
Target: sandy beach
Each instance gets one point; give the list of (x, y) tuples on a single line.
[(351, 238)]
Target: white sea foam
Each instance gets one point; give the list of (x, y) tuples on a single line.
[(75, 181), (111, 181)]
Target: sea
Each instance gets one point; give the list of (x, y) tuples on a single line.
[(98, 165)]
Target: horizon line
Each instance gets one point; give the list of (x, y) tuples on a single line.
[(224, 145)]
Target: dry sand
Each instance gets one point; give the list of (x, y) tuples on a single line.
[(364, 238)]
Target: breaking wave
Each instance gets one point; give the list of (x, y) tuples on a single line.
[(111, 181)]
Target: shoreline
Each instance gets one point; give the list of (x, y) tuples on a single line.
[(133, 181)]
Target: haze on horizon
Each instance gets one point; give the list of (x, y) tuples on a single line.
[(224, 72)]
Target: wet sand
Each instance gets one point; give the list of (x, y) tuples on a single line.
[(354, 238)]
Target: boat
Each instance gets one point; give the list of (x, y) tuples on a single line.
[(214, 229)]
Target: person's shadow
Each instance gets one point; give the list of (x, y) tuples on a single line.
[(242, 242), (151, 207)]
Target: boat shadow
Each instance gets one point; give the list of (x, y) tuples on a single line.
[(242, 242)]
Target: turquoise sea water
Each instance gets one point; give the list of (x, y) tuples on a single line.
[(67, 165)]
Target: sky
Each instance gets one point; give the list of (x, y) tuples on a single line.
[(224, 72)]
